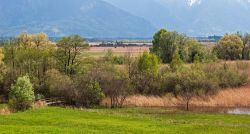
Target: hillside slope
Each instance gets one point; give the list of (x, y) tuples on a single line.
[(89, 18)]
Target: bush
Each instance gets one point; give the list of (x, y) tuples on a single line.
[(230, 47), (188, 83), (119, 60), (21, 94), (89, 93), (231, 76), (60, 85)]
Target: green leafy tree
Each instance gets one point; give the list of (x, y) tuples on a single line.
[(176, 62), (230, 47), (156, 42), (144, 74), (30, 54), (168, 45), (189, 83), (69, 49), (21, 94), (148, 63), (89, 93)]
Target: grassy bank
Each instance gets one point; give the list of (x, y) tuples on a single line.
[(130, 120)]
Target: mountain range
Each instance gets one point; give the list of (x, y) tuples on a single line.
[(89, 18), (192, 17), (123, 18)]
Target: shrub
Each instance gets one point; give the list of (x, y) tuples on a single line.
[(89, 93), (148, 63), (21, 94), (119, 60), (176, 62), (60, 85), (188, 83), (231, 76)]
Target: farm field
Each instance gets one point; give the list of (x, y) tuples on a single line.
[(127, 120), (118, 51)]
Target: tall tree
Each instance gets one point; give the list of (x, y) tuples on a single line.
[(30, 54), (69, 48), (230, 47), (156, 41)]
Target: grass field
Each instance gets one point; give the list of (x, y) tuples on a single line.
[(129, 120)]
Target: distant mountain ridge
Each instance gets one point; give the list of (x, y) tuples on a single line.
[(193, 17), (89, 18)]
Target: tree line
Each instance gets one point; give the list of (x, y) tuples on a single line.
[(33, 68)]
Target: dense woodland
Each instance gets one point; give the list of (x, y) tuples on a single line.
[(33, 68)]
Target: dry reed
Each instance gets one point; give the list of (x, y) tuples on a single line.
[(238, 97)]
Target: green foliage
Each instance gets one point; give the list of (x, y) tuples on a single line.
[(228, 75), (148, 63), (188, 83), (21, 94), (156, 42), (109, 56), (2, 71), (68, 51), (112, 59), (166, 43), (120, 60), (176, 62), (246, 50), (144, 74), (89, 93), (230, 47), (231, 76), (29, 54), (59, 85), (196, 59)]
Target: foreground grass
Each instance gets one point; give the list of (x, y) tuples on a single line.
[(130, 120)]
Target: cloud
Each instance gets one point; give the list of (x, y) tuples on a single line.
[(193, 2)]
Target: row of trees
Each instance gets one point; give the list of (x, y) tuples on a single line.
[(230, 47), (32, 67), (167, 43)]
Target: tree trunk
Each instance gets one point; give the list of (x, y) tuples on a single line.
[(187, 106)]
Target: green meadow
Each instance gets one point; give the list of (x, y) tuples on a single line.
[(127, 120)]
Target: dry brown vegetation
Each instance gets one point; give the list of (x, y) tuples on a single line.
[(5, 111), (120, 49), (226, 98), (238, 97)]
